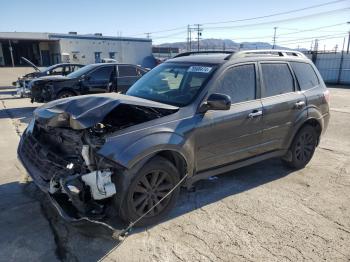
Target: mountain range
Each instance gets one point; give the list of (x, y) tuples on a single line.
[(221, 44)]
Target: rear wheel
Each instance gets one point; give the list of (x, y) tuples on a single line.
[(155, 179), (303, 147), (65, 94)]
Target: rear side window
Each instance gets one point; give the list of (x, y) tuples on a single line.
[(305, 74), (126, 71), (277, 79), (239, 83)]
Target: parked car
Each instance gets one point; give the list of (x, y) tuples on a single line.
[(94, 78), (191, 117), (58, 69)]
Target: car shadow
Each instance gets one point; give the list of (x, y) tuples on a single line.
[(23, 114), (88, 236)]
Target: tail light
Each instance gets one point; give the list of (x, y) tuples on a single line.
[(327, 96)]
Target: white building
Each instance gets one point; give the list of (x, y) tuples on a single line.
[(45, 49)]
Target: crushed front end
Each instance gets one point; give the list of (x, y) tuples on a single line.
[(62, 149), (63, 163)]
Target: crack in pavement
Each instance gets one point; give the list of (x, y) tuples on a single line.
[(62, 252)]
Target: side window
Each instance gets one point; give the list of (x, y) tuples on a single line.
[(126, 71), (277, 79), (68, 69), (239, 83), (305, 74), (57, 71), (101, 74)]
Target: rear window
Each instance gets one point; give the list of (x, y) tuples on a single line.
[(277, 79), (305, 74)]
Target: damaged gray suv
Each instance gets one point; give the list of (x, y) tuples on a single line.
[(192, 117)]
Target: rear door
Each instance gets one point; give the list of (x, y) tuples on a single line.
[(233, 134), (99, 80), (283, 104), (127, 76)]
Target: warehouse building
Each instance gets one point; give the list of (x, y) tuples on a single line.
[(45, 49)]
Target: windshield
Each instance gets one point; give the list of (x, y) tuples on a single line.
[(174, 84), (81, 71)]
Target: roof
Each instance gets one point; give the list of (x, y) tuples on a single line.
[(55, 37), (251, 55), (98, 37), (201, 58)]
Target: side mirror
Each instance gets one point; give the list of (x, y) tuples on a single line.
[(216, 102), (85, 78)]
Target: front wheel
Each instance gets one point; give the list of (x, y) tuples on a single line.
[(155, 179), (65, 94), (303, 147)]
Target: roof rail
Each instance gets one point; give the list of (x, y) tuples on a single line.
[(268, 52), (203, 52)]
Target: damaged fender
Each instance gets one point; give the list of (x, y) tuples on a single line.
[(128, 155)]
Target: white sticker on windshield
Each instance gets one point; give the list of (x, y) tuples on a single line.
[(199, 69)]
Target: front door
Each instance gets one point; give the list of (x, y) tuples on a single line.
[(100, 80), (283, 104), (234, 134)]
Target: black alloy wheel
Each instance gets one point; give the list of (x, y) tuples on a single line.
[(303, 147), (65, 94), (149, 190), (151, 183)]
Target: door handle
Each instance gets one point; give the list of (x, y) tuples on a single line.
[(299, 104), (254, 114)]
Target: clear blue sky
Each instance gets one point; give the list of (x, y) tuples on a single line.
[(137, 17)]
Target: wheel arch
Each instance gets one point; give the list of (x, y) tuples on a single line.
[(66, 89), (314, 122)]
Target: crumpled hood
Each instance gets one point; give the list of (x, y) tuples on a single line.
[(82, 112)]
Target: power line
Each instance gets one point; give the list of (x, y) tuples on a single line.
[(313, 29), (276, 14), (278, 21), (253, 18), (306, 41), (166, 36), (162, 31), (300, 31), (311, 37)]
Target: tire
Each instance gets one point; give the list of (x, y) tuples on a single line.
[(302, 148), (160, 174), (65, 94)]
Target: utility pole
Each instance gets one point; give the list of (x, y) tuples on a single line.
[(312, 42), (188, 38), (347, 49), (274, 37), (316, 45), (11, 53), (199, 34), (148, 35)]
